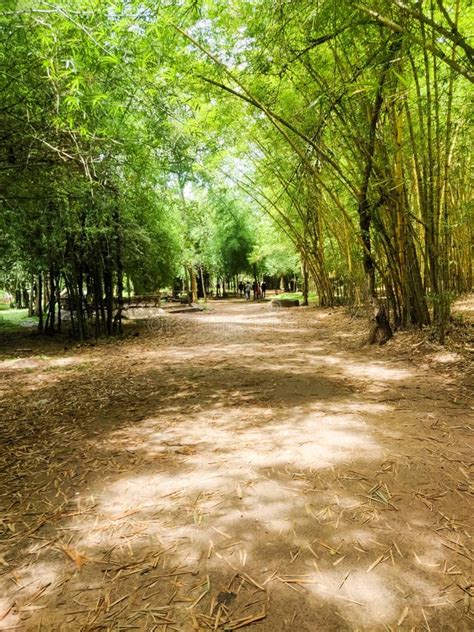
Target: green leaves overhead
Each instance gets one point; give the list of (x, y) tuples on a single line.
[(344, 124)]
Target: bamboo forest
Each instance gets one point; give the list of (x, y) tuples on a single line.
[(236, 315)]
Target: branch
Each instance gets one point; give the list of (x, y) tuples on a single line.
[(435, 51), (276, 120), (326, 38), (452, 35)]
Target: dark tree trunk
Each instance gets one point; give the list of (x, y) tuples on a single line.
[(97, 307), (109, 299), (52, 303), (117, 323), (305, 281), (40, 303), (31, 308), (381, 330), (118, 317), (58, 298)]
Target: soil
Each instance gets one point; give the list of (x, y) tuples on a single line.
[(238, 468)]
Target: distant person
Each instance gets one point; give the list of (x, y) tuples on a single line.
[(254, 288), (218, 289), (248, 289), (259, 290), (241, 288), (264, 289)]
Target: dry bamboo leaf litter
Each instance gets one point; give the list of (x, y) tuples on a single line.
[(64, 478)]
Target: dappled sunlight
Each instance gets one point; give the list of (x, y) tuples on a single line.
[(44, 362), (262, 520), (213, 354), (35, 575), (9, 618), (465, 306), (194, 468), (308, 438), (379, 371), (354, 407), (19, 364), (365, 596), (23, 589), (445, 357), (250, 319), (210, 352)]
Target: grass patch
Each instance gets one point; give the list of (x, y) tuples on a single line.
[(14, 320), (312, 297)]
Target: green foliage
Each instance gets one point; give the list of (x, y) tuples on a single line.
[(233, 235), (273, 253), (91, 200), (15, 320), (143, 138)]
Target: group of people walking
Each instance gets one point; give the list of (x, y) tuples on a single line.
[(258, 289)]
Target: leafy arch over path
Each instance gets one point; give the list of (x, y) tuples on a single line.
[(345, 125)]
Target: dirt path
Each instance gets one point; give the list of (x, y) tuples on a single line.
[(239, 466)]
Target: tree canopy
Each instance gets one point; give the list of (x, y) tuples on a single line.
[(144, 141)]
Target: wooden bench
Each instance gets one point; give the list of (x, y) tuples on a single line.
[(148, 300)]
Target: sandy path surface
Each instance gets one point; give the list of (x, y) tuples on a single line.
[(236, 469)]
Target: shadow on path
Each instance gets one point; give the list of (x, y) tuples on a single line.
[(215, 477)]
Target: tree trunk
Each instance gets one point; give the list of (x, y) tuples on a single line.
[(31, 308), (58, 299), (203, 285), (192, 276), (304, 267), (109, 298), (381, 330), (40, 303), (52, 303), (118, 245)]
